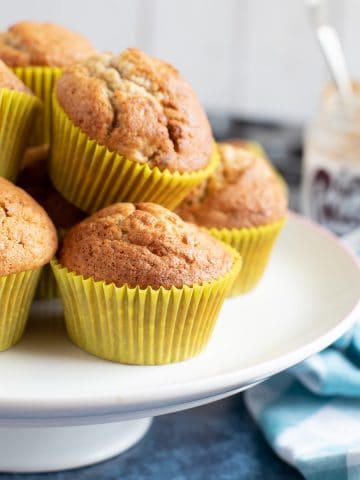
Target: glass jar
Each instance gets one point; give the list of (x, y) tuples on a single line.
[(331, 165)]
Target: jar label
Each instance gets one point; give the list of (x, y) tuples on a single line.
[(331, 193)]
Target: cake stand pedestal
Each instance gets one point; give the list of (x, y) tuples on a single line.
[(46, 449)]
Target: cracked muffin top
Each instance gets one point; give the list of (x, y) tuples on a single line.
[(243, 192), (27, 235), (140, 107), (143, 245), (42, 44), (35, 181), (8, 79)]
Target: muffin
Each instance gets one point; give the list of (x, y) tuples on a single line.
[(141, 286), (18, 107), (35, 181), (128, 127), (243, 204), (34, 44), (37, 52), (27, 242)]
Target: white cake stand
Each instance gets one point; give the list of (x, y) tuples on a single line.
[(62, 408)]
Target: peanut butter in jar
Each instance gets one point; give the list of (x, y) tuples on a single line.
[(331, 165)]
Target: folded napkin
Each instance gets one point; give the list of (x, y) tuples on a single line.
[(310, 414)]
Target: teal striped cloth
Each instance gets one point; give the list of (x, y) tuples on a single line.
[(310, 415)]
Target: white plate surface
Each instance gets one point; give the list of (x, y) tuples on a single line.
[(308, 297)]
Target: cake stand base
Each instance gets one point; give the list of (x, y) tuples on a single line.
[(47, 449)]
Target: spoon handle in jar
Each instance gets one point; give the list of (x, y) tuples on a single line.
[(333, 52), (331, 48)]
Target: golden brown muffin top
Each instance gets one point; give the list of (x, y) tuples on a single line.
[(140, 107), (243, 192), (8, 79), (36, 182), (143, 245), (27, 235), (42, 44)]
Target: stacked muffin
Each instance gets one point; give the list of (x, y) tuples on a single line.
[(148, 285), (129, 142), (37, 52), (243, 204), (128, 128)]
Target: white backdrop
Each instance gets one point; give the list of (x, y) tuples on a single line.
[(255, 57)]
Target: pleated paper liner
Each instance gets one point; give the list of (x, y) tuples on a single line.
[(47, 288), (17, 113), (41, 80), (254, 245), (16, 295), (91, 177), (141, 326)]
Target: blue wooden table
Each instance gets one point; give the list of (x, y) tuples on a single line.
[(217, 441)]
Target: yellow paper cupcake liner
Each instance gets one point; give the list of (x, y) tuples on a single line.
[(41, 80), (254, 245), (47, 288), (17, 111), (91, 177), (141, 326), (16, 295)]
